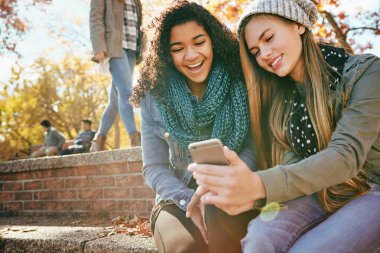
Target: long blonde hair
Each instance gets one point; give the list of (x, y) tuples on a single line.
[(270, 115)]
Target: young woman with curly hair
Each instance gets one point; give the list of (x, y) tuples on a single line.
[(315, 117), (191, 89)]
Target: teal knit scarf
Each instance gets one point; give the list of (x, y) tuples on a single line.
[(224, 109)]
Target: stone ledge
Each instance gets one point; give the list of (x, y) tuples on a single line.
[(70, 239), (96, 158)]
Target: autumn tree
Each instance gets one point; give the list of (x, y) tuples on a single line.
[(12, 27), (333, 24), (63, 92)]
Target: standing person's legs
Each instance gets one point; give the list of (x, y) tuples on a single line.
[(110, 113), (355, 228), (174, 233), (108, 117), (225, 231), (276, 231), (122, 71)]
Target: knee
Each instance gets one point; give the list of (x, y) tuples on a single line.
[(169, 240), (125, 94), (264, 239), (178, 240)]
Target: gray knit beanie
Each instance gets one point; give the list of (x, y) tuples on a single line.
[(303, 12)]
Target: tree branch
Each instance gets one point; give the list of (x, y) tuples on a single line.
[(342, 37), (361, 28)]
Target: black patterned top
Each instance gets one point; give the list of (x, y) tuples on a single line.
[(301, 131)]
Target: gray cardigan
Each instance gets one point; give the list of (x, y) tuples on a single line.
[(355, 140)]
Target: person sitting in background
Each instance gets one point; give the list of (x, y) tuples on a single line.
[(54, 141), (82, 142)]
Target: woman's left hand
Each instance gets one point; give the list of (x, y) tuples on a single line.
[(234, 185)]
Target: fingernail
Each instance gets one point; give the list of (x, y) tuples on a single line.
[(191, 166)]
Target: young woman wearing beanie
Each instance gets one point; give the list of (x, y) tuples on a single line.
[(315, 118), (190, 89)]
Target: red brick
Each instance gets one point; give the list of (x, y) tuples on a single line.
[(113, 169), (133, 205), (33, 205), (12, 206), (68, 172), (54, 205), (76, 182), (23, 196), (6, 196), (127, 181), (135, 166), (120, 193), (44, 195), (91, 194), (34, 185), (44, 173), (142, 192), (101, 181), (105, 205), (88, 170), (66, 194), (12, 186), (53, 183), (25, 175), (7, 177), (77, 205)]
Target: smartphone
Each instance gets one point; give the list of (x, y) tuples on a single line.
[(208, 152)]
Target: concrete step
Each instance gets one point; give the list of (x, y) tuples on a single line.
[(56, 239)]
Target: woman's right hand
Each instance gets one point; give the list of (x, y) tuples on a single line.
[(233, 188)]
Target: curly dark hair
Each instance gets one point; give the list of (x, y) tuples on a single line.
[(157, 61)]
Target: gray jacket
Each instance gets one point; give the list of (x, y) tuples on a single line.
[(54, 138), (106, 26), (165, 161), (354, 142)]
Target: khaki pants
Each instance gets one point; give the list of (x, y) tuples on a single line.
[(45, 151)]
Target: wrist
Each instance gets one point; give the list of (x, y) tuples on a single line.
[(259, 187)]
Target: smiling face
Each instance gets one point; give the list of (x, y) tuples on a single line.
[(191, 51), (276, 45)]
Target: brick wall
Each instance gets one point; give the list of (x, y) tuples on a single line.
[(106, 183)]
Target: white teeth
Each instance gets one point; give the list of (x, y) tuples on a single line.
[(277, 60), (195, 65)]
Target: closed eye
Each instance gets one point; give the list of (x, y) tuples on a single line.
[(174, 50), (255, 53), (200, 43)]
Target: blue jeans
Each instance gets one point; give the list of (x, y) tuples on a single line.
[(306, 227), (121, 69), (355, 228)]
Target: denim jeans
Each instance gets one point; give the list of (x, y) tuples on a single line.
[(121, 69), (303, 227), (355, 228), (276, 231)]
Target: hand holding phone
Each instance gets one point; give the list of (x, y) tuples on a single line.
[(208, 152)]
